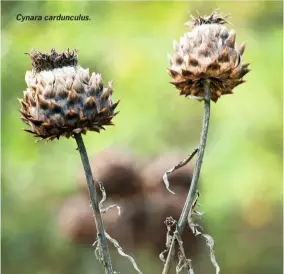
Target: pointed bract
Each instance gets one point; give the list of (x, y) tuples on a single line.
[(242, 48)]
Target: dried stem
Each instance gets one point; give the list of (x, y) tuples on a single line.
[(193, 187), (170, 257), (95, 205)]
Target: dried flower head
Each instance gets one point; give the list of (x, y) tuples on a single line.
[(208, 51), (61, 99)]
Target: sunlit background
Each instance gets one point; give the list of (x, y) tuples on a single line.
[(46, 220)]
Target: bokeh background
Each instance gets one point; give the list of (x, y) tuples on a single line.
[(43, 202)]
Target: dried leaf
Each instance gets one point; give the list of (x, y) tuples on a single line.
[(122, 253), (179, 165)]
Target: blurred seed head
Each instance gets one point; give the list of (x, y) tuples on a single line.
[(117, 170), (62, 99), (208, 51), (141, 224), (141, 194), (157, 211), (75, 220)]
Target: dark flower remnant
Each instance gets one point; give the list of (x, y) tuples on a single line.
[(62, 99), (208, 51)]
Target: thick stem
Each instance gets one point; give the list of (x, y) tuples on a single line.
[(194, 182), (95, 205)]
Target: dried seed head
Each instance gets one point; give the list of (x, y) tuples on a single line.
[(61, 99), (208, 51)]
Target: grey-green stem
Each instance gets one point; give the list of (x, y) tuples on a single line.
[(194, 182), (95, 205)]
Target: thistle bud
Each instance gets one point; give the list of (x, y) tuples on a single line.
[(208, 51), (61, 99)]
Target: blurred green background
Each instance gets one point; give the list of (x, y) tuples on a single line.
[(128, 42)]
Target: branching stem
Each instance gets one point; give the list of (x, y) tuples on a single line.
[(95, 205), (193, 187)]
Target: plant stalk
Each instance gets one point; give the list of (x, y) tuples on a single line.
[(194, 182), (95, 205)]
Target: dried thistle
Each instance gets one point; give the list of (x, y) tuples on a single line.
[(206, 64), (61, 99), (208, 51)]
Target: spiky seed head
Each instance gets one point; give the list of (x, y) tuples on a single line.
[(62, 99), (208, 51)]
